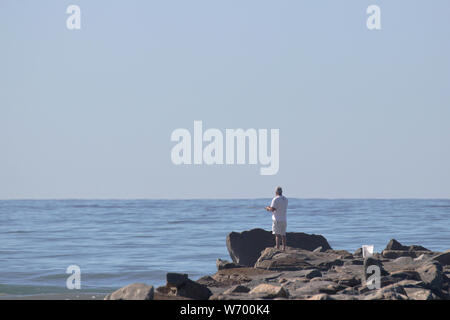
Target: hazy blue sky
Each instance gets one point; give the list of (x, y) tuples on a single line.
[(89, 113)]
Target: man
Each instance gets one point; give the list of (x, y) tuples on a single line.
[(278, 208)]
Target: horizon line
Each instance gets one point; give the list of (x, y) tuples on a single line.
[(232, 198)]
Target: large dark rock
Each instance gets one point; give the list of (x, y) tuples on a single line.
[(194, 290), (176, 279), (246, 247), (443, 258), (135, 291), (179, 284), (394, 245)]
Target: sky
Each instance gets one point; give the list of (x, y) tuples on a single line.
[(89, 113)]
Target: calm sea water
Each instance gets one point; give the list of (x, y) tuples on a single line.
[(118, 242)]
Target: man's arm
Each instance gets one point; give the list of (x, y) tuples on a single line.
[(272, 207)]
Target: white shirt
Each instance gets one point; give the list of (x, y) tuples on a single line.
[(280, 204)]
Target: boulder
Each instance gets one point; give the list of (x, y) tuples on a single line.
[(224, 264), (358, 252), (246, 247), (193, 290), (297, 259), (230, 277), (209, 282), (317, 287), (370, 261), (391, 292), (237, 289), (179, 284), (431, 274), (176, 279), (313, 273), (135, 291), (269, 291), (394, 245), (416, 293), (443, 258), (394, 254)]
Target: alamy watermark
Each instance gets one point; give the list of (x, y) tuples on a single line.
[(373, 21), (240, 147), (74, 280)]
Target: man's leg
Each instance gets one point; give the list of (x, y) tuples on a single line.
[(277, 241), (283, 238)]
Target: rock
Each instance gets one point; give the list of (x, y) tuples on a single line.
[(431, 274), (296, 259), (245, 248), (237, 289), (313, 273), (405, 275), (209, 282), (269, 291), (443, 258), (419, 294), (394, 245), (344, 254), (392, 292), (273, 259), (393, 254), (193, 290), (135, 291), (358, 252), (224, 264), (176, 279), (317, 287), (231, 277), (321, 296), (179, 284), (318, 249), (358, 262), (403, 260), (349, 282), (370, 261), (420, 258)]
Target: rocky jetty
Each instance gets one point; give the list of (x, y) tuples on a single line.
[(311, 270)]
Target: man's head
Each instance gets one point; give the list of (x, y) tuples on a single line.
[(279, 191)]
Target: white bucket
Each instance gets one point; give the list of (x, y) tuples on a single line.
[(367, 251)]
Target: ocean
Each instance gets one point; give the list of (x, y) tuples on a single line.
[(118, 242)]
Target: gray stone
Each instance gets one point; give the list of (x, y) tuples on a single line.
[(296, 259), (224, 264), (318, 287), (419, 294), (431, 274), (237, 289), (392, 292), (135, 291), (269, 291)]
